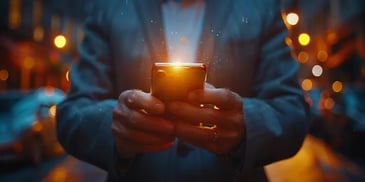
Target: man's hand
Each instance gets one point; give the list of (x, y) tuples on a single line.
[(224, 116), (137, 126)]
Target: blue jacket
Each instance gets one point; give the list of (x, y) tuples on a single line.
[(250, 57)]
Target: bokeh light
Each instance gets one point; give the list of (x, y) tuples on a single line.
[(317, 70), (329, 103), (60, 41), (4, 75), (337, 86), (288, 41), (28, 62), (52, 110), (38, 33), (68, 75), (292, 18), (322, 55), (307, 84), (304, 39), (303, 57)]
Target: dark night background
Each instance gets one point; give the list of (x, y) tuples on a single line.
[(332, 75)]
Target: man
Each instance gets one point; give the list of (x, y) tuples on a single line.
[(110, 119)]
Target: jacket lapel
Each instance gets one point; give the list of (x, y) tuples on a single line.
[(151, 22)]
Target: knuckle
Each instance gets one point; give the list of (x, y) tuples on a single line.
[(227, 95), (124, 95)]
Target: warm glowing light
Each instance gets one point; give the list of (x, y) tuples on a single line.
[(332, 37), (329, 103), (15, 15), (303, 57), (317, 70), (68, 75), (52, 110), (38, 33), (288, 41), (337, 86), (37, 127), (322, 55), (304, 39), (307, 84), (292, 18), (4, 75), (59, 174), (28, 62), (60, 41)]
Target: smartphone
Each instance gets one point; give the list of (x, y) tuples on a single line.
[(173, 81)]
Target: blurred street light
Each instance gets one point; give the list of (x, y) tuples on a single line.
[(337, 86), (303, 57), (317, 70), (304, 39), (68, 75), (322, 55), (4, 75), (307, 84), (60, 41), (292, 18)]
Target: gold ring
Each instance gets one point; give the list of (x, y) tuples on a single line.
[(215, 136)]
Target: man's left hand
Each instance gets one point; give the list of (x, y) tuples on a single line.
[(211, 119)]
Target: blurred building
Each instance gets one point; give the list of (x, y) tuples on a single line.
[(38, 41)]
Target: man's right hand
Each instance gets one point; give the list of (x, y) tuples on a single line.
[(137, 123)]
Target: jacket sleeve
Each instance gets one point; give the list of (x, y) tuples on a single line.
[(84, 117), (276, 117)]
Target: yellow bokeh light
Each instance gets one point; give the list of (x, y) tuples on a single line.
[(304, 39), (52, 110), (68, 75), (4, 75), (329, 103), (303, 57), (322, 55), (317, 70), (292, 18), (60, 41), (307, 84), (337, 86)]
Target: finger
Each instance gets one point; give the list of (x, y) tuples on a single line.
[(198, 134), (194, 114), (138, 100), (139, 137), (127, 146), (147, 123), (220, 97), (193, 134)]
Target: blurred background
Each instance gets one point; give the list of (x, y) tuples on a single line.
[(39, 41)]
